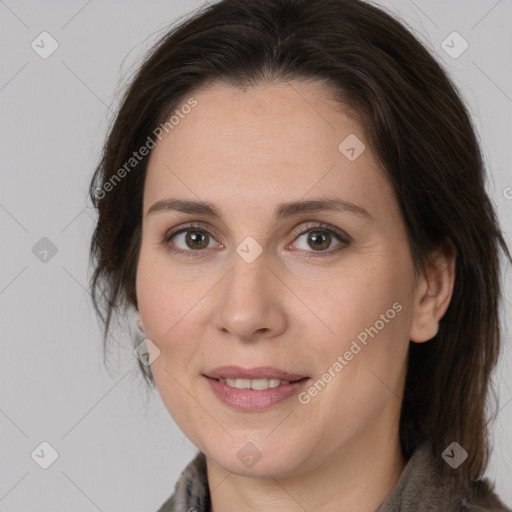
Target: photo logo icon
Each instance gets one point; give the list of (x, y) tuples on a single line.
[(454, 455), (44, 250), (351, 147), (146, 352), (249, 249), (44, 45), (44, 455), (249, 454), (454, 45)]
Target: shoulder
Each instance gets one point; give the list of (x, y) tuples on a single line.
[(478, 496), (191, 490), (423, 488)]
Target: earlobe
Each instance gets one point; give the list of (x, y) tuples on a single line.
[(434, 293)]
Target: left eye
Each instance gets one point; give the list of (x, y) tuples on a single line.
[(318, 239)]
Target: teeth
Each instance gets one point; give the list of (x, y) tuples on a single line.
[(258, 384)]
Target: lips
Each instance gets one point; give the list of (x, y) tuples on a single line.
[(245, 394), (260, 372)]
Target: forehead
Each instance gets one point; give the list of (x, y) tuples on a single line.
[(262, 144)]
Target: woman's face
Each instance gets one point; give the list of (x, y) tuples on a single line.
[(306, 270)]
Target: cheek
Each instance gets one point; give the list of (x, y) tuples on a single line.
[(372, 325), (152, 297), (161, 298), (361, 296), (163, 305), (172, 308), (368, 312)]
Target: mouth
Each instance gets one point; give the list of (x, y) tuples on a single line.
[(256, 384), (253, 388), (245, 378)]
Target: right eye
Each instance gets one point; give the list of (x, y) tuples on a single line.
[(189, 241)]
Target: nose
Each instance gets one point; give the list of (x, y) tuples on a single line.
[(251, 301)]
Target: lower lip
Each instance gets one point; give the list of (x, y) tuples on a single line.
[(251, 399)]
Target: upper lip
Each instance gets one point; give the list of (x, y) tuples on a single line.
[(260, 372)]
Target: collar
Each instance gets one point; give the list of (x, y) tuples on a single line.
[(420, 488)]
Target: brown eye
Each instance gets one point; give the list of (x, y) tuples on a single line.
[(189, 241), (196, 239), (319, 240)]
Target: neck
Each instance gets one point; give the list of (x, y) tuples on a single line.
[(359, 479)]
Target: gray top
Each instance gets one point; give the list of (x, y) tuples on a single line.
[(420, 488)]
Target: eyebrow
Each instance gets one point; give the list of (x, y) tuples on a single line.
[(283, 210)]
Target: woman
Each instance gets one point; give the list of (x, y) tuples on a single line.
[(292, 199)]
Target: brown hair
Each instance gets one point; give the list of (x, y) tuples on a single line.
[(416, 125)]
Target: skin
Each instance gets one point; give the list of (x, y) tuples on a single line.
[(247, 151)]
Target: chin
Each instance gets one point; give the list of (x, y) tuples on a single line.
[(257, 458)]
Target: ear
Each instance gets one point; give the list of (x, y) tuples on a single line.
[(139, 322), (433, 293)]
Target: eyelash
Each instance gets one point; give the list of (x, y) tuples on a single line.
[(342, 237)]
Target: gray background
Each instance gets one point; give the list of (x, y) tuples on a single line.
[(118, 448)]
